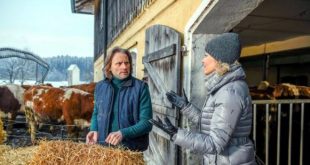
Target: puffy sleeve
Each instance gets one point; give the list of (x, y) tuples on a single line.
[(192, 113), (228, 109)]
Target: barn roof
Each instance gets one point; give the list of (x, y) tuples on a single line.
[(82, 6), (73, 67)]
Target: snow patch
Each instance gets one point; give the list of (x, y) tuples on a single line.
[(69, 91)]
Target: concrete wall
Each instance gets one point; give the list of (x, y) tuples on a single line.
[(98, 66)]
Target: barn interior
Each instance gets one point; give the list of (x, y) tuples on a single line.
[(276, 48), (276, 41)]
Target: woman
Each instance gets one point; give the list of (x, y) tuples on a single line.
[(226, 117)]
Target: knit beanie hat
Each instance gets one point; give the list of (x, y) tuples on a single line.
[(225, 47)]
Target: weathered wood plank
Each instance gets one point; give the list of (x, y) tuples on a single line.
[(156, 78), (163, 110), (160, 54), (162, 62)]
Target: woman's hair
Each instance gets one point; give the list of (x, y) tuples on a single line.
[(108, 61), (223, 67)]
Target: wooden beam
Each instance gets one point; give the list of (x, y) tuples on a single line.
[(160, 54), (278, 46), (164, 110), (160, 133)]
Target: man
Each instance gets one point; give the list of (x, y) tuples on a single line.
[(225, 120), (122, 106)]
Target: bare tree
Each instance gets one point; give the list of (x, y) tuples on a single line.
[(25, 70), (11, 68), (16, 68)]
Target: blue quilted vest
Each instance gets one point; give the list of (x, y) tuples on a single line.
[(128, 114)]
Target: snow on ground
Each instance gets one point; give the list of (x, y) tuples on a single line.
[(32, 82)]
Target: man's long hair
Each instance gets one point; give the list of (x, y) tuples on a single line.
[(108, 61)]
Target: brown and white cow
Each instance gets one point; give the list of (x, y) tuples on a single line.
[(11, 102), (26, 87), (49, 104), (90, 88)]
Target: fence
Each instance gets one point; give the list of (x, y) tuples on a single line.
[(60, 131), (276, 111)]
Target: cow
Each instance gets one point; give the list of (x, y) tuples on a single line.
[(26, 87), (281, 91), (264, 91), (11, 102), (90, 88), (290, 91), (56, 105)]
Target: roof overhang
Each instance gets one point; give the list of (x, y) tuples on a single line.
[(82, 6)]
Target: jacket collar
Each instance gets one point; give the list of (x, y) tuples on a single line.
[(126, 83), (216, 81)]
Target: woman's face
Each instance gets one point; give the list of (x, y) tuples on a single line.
[(209, 64), (120, 66)]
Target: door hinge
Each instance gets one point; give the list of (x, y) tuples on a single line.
[(184, 50)]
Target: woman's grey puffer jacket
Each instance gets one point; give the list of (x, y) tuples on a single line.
[(225, 122)]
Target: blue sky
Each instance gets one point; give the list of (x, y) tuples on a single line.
[(46, 28)]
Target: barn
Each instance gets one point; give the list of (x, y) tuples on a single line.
[(167, 38)]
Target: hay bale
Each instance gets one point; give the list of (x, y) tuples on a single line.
[(3, 149), (68, 153), (18, 156), (2, 133)]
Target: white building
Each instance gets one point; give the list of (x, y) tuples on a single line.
[(73, 74)]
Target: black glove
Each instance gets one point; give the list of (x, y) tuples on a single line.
[(167, 127), (177, 100)]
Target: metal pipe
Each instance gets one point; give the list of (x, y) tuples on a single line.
[(294, 101), (301, 133), (267, 136), (278, 135), (290, 135), (266, 66)]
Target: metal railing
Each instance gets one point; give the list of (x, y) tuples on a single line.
[(12, 52), (275, 109), (62, 131)]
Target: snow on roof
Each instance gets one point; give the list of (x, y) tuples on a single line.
[(73, 66)]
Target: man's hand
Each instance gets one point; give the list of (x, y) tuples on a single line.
[(167, 127), (92, 137), (177, 100), (114, 138)]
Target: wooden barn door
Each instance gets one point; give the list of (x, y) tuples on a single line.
[(162, 62)]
